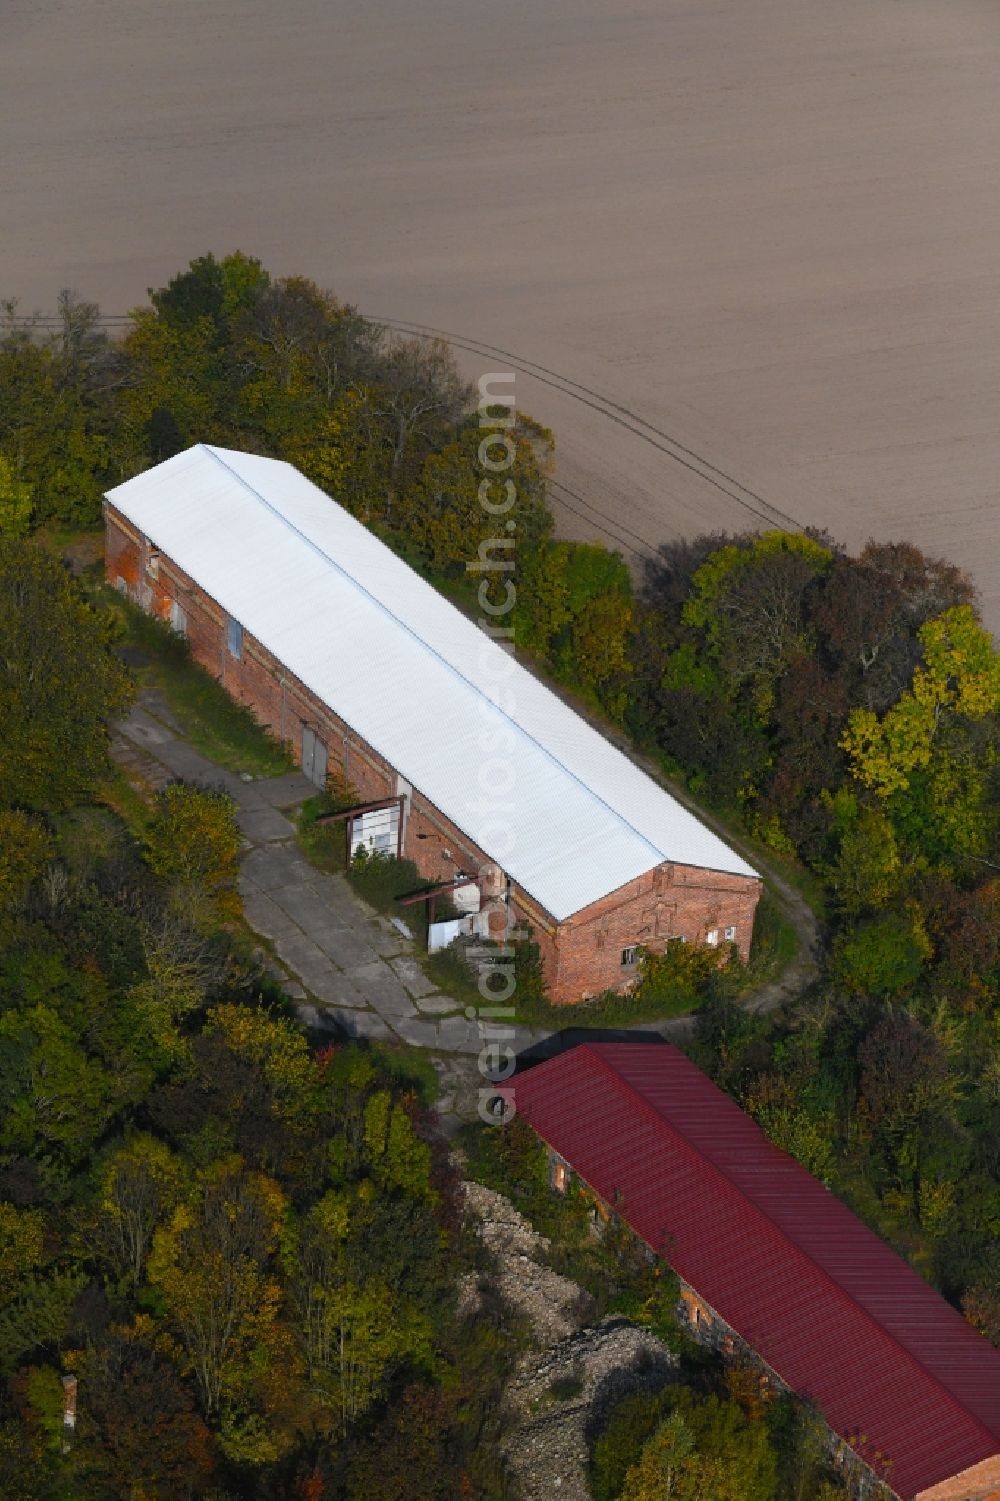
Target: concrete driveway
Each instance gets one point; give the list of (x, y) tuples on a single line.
[(348, 969)]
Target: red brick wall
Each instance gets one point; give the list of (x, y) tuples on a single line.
[(981, 1483), (581, 956), (673, 901)]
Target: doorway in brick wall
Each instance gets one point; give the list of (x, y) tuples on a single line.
[(313, 757)]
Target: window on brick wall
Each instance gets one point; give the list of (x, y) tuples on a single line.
[(712, 938), (730, 935), (178, 618), (234, 638), (630, 954)]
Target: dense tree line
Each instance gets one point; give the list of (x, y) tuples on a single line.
[(227, 354), (245, 1250), (850, 709)]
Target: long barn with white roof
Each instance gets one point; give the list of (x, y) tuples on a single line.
[(364, 669)]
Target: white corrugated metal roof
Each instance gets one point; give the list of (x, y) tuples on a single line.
[(416, 679)]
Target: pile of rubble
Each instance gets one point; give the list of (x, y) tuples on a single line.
[(577, 1368), (553, 1305)]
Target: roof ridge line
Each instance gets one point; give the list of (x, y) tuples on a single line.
[(662, 857), (842, 1293)]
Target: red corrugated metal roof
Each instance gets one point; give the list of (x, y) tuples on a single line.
[(826, 1304)]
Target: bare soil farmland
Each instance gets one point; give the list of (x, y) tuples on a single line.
[(768, 228)]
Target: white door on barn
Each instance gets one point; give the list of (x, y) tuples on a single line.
[(377, 831), (313, 757)]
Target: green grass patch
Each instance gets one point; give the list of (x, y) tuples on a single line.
[(607, 1011), (224, 731), (410, 1068), (381, 879), (323, 844), (775, 944), (117, 794), (451, 972)]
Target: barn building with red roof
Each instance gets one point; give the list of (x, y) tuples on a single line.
[(763, 1250)]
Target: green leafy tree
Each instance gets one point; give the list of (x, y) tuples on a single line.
[(38, 1317), (60, 684), (55, 1100), (542, 605), (443, 517), (704, 1448), (138, 1186), (277, 1049), (211, 1263), (22, 1245), (15, 502), (881, 957), (748, 601), (354, 1331), (868, 871), (54, 412), (193, 841), (631, 1422), (138, 1434), (960, 675), (669, 1466), (25, 850), (178, 385), (399, 1159), (679, 976)]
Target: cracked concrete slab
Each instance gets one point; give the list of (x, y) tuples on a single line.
[(314, 1018), (335, 989), (417, 1032), (322, 981), (363, 1024), (309, 909), (262, 824), (346, 947), (263, 914), (297, 950), (458, 1035), (437, 1005), (384, 939), (185, 762), (383, 991), (412, 976), (287, 791), (275, 869), (145, 730)]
